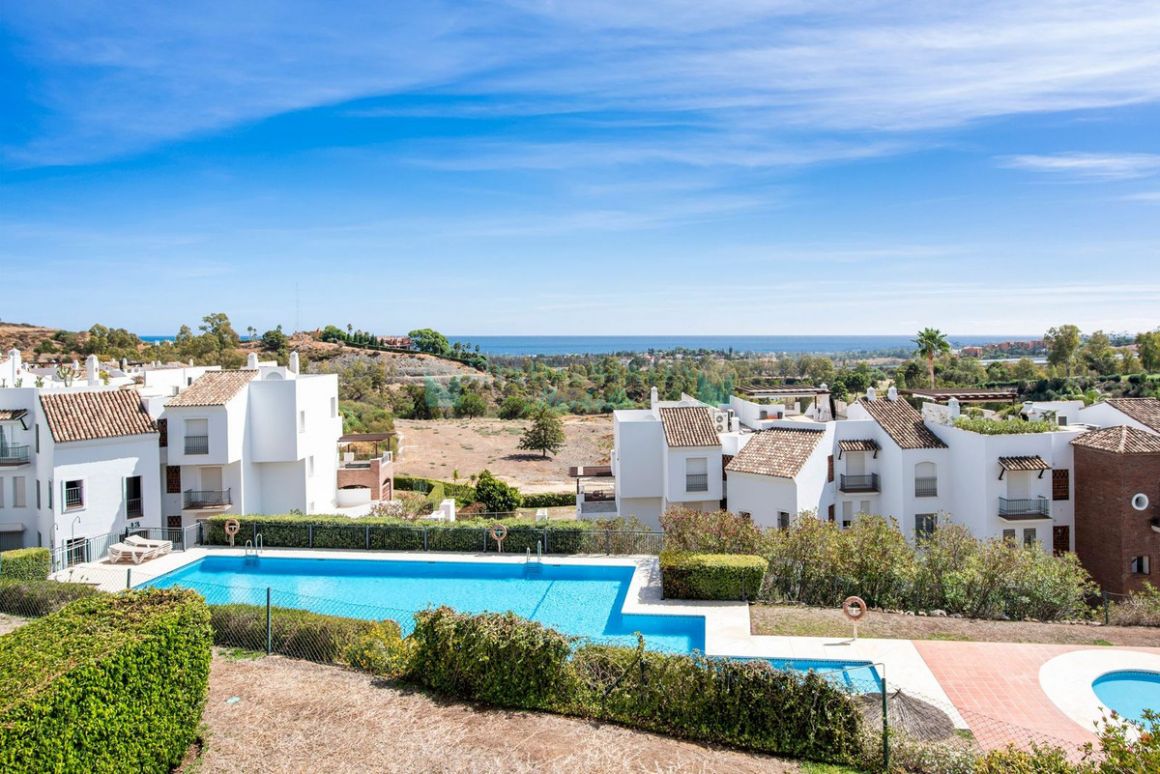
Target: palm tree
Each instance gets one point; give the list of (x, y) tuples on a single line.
[(931, 342)]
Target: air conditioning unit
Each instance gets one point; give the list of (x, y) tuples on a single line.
[(722, 420)]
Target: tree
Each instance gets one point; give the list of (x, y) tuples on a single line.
[(546, 433), (1025, 370), (931, 342), (1062, 343), (470, 404), (430, 341), (1148, 348), (513, 407), (496, 496), (218, 325), (1098, 354), (275, 340)]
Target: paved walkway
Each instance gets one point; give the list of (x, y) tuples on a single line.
[(995, 686)]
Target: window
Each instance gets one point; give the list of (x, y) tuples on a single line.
[(133, 509), (18, 493), (847, 510), (36, 435), (1140, 501), (163, 433), (830, 468), (782, 520), (830, 512), (864, 506), (197, 436), (1060, 484), (925, 525), (50, 494), (302, 421), (1030, 536), (925, 480), (172, 479), (74, 495), (1140, 565), (697, 474), (333, 408), (38, 494), (1009, 534)]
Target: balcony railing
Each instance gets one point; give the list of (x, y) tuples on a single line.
[(13, 455), (205, 498), (926, 487), (866, 483), (133, 509), (696, 482), (197, 444), (1025, 508)]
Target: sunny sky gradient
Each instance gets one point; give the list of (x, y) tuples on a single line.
[(582, 167)]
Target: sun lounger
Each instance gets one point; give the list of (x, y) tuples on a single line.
[(120, 552), (162, 546)]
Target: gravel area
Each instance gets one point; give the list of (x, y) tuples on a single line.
[(278, 715), (817, 622)]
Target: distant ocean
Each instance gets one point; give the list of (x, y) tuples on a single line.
[(601, 345)]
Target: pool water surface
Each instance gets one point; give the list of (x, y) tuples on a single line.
[(1129, 693)]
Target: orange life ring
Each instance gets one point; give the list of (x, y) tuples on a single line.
[(498, 532), (854, 608), (231, 528)]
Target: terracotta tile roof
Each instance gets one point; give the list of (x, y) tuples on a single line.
[(86, 416), (902, 423), (859, 445), (689, 426), (1121, 439), (1023, 463), (214, 388), (779, 451), (1146, 411), (8, 415)]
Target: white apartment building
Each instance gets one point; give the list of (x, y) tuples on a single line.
[(89, 455)]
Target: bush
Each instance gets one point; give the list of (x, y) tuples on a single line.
[(549, 500), (1140, 608), (719, 532), (110, 683), (711, 576), (985, 426), (381, 651), (302, 634), (33, 599), (26, 564), (463, 494), (496, 496)]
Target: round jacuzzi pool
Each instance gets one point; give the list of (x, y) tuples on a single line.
[(1129, 692)]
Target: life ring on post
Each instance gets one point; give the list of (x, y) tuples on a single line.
[(498, 532), (854, 608), (232, 527)]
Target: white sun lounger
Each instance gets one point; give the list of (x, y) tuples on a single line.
[(163, 546), (120, 552)]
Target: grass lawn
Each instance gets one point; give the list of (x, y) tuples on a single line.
[(789, 620)]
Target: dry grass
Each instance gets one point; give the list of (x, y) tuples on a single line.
[(438, 448), (816, 622), (294, 716)]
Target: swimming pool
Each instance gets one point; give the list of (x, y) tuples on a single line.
[(1129, 692)]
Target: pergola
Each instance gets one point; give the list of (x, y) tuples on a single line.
[(1001, 395)]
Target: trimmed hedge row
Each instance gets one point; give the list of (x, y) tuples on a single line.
[(549, 500), (511, 662), (35, 598), (398, 535), (711, 576), (110, 683), (26, 564), (327, 639), (463, 493)]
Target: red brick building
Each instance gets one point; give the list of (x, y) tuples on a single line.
[(1117, 507)]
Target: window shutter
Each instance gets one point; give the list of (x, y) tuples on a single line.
[(1059, 484), (830, 468)]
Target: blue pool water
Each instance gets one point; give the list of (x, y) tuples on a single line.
[(1129, 693)]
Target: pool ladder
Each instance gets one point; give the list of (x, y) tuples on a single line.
[(538, 565), (253, 548)]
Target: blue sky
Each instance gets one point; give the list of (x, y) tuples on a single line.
[(582, 167)]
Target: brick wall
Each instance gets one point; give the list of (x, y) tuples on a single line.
[(1109, 532)]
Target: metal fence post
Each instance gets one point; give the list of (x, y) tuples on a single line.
[(269, 632), (1105, 608), (310, 535), (128, 577), (424, 538), (885, 724), (368, 529)]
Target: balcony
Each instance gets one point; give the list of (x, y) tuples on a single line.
[(866, 483), (197, 444), (1025, 508), (205, 498), (926, 487), (133, 508), (14, 455), (696, 482)]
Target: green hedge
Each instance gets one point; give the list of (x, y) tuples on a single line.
[(26, 564), (110, 683), (549, 500), (711, 576), (35, 598), (511, 662), (561, 537), (295, 633), (464, 494)]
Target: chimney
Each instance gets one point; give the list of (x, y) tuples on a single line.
[(91, 368), (653, 397), (252, 360), (14, 362), (293, 362), (953, 407), (871, 393), (892, 393)]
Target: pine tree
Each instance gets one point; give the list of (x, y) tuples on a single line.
[(546, 433)]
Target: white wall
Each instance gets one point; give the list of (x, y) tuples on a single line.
[(762, 497), (647, 509), (674, 474), (1105, 415), (638, 455)]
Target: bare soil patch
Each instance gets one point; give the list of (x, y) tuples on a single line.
[(788, 620), (9, 623), (278, 715), (438, 448)]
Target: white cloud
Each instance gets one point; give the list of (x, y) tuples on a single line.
[(1088, 166)]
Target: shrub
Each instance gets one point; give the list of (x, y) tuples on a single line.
[(719, 532), (985, 426), (33, 599), (549, 500), (109, 683), (295, 633), (500, 659), (711, 576), (496, 496), (26, 564), (381, 651), (1141, 608)]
